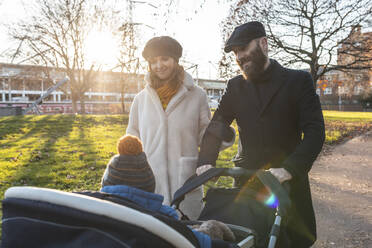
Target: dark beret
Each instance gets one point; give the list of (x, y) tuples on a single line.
[(162, 46), (244, 34)]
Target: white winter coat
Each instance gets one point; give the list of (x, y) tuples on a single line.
[(171, 137)]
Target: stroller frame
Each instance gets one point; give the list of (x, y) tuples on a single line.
[(279, 190)]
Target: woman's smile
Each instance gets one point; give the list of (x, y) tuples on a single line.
[(162, 66)]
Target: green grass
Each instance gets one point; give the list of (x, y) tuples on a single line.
[(63, 152), (348, 116), (70, 152), (341, 125)]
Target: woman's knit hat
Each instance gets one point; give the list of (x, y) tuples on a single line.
[(162, 46), (130, 167)]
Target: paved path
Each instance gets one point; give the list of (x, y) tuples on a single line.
[(341, 183)]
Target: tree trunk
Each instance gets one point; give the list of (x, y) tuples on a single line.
[(82, 104), (122, 102), (314, 74), (74, 100)]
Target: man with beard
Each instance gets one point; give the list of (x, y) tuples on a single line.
[(280, 123)]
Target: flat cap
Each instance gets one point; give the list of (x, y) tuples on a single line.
[(244, 34)]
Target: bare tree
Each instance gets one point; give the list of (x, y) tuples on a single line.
[(306, 32), (128, 62), (55, 35), (131, 39)]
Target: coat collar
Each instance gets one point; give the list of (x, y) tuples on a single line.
[(188, 81), (188, 85), (277, 80)]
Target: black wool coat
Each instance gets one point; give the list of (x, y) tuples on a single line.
[(284, 128)]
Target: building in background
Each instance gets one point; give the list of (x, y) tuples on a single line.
[(345, 90), (21, 85)]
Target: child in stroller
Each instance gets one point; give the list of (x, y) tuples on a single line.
[(121, 217), (129, 175)]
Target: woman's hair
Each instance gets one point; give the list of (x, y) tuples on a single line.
[(174, 81)]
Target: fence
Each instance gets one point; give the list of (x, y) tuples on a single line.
[(6, 111)]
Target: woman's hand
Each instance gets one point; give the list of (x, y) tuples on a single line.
[(200, 170)]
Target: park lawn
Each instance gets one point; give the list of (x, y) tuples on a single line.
[(345, 125), (67, 152), (70, 152), (348, 116)]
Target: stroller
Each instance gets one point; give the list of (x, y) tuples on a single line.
[(255, 223), (38, 217)]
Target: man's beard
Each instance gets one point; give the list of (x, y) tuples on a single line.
[(255, 70)]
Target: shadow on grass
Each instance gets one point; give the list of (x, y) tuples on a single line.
[(45, 125), (89, 156), (39, 162), (12, 126), (69, 165)]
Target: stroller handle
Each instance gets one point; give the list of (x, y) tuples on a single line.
[(279, 190), (237, 172)]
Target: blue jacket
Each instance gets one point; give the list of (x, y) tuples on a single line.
[(153, 202)]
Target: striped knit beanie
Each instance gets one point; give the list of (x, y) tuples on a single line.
[(130, 166)]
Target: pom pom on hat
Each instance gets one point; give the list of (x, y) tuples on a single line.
[(129, 145)]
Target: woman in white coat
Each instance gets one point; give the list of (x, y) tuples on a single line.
[(170, 116)]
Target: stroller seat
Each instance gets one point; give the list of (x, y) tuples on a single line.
[(39, 217), (246, 206)]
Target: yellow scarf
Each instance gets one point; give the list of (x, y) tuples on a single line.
[(165, 93)]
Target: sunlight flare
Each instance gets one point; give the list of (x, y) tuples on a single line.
[(102, 48)]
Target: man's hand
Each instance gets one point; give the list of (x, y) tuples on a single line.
[(281, 174), (203, 168)]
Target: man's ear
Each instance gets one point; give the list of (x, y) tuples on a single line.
[(264, 45)]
